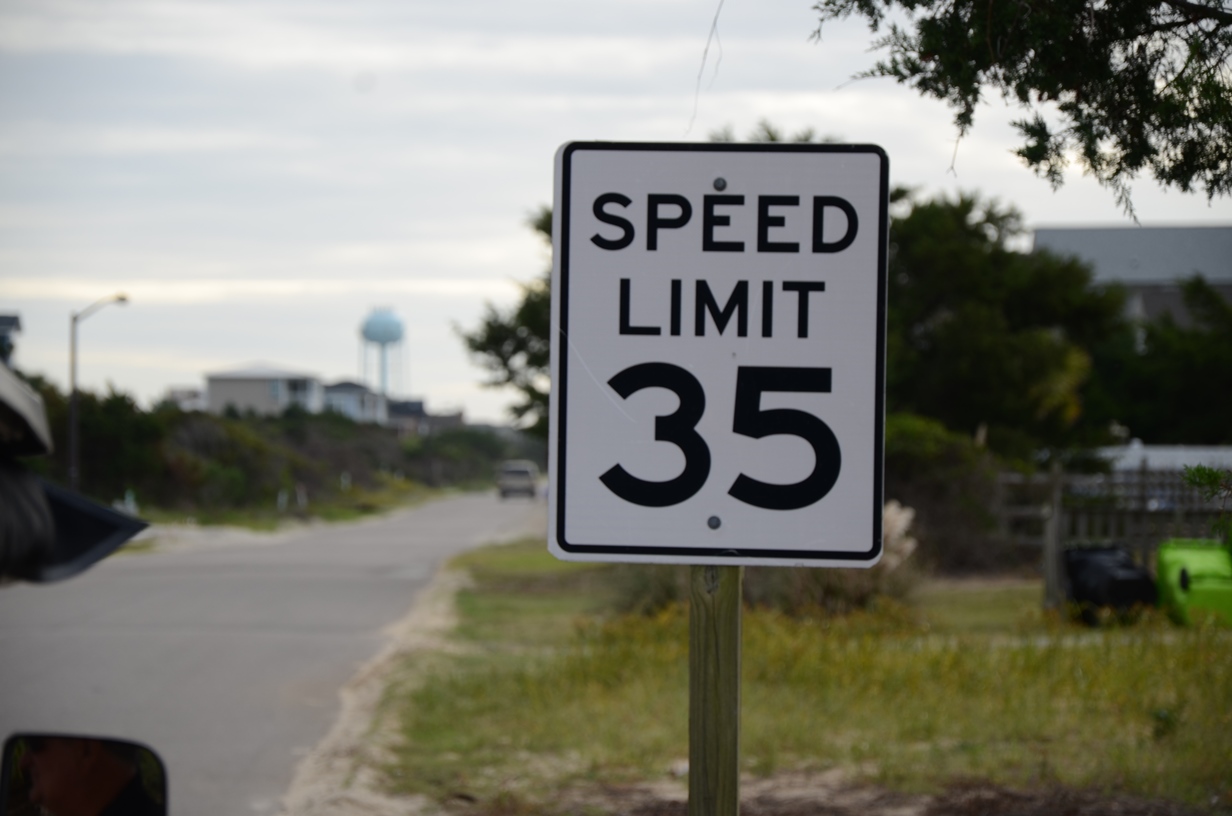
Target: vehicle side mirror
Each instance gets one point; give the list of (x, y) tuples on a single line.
[(66, 774), (46, 533)]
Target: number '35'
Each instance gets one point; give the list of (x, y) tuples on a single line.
[(680, 429)]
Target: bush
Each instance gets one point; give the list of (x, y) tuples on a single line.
[(456, 455), (196, 461), (951, 483), (797, 591)]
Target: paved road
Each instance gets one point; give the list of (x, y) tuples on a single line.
[(228, 657)]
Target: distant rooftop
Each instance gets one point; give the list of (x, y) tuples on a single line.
[(9, 323), (407, 408), (1166, 457), (345, 386), (260, 371), (1145, 255)]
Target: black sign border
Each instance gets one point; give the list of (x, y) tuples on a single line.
[(560, 247)]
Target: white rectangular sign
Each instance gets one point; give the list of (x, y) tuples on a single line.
[(718, 347)]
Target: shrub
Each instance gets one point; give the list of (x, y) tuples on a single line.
[(649, 588), (951, 483)]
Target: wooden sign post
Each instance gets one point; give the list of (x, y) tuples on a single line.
[(714, 690)]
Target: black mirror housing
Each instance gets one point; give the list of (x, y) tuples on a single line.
[(46, 533), (66, 773)]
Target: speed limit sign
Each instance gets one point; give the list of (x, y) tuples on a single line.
[(718, 347)]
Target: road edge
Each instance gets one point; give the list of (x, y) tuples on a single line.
[(338, 777)]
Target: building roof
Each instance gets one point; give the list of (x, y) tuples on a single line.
[(1166, 457), (407, 408), (347, 387), (260, 371), (1145, 255), (9, 323)]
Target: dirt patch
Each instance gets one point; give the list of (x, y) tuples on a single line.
[(784, 794), (829, 793), (978, 800)]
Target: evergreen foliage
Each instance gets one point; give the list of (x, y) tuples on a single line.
[(980, 334), (1169, 383), (1214, 483), (199, 463), (1126, 88)]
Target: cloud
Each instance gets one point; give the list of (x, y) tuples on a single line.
[(214, 290), (34, 138), (172, 362), (349, 37)]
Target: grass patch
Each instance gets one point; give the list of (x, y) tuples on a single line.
[(390, 494), (974, 607), (252, 518), (552, 692), (523, 599), (1077, 710), (138, 546)]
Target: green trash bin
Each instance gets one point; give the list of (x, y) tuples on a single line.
[(1194, 579)]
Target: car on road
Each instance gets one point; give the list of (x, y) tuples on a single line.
[(518, 477)]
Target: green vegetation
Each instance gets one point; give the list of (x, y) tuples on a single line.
[(139, 546), (1120, 88), (950, 481), (1214, 483), (523, 598), (973, 607), (1167, 382), (258, 471), (1010, 331), (464, 457), (388, 493), (551, 692)]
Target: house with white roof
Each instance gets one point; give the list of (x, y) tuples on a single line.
[(264, 390), (357, 401)]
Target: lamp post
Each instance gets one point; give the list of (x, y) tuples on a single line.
[(74, 319)]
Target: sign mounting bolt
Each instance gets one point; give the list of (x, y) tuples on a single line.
[(713, 522), (720, 184)]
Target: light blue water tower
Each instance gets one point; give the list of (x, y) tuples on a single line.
[(383, 329)]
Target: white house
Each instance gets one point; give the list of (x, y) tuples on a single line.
[(357, 401), (264, 390)]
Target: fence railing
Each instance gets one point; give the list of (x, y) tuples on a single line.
[(1137, 509)]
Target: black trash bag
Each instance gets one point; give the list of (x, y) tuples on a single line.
[(1107, 578)]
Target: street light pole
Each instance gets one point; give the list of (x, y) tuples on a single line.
[(74, 319)]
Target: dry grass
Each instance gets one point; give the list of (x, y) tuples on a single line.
[(551, 694)]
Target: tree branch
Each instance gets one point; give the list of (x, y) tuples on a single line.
[(1202, 12), (1161, 28)]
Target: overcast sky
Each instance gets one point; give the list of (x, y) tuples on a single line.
[(256, 176)]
